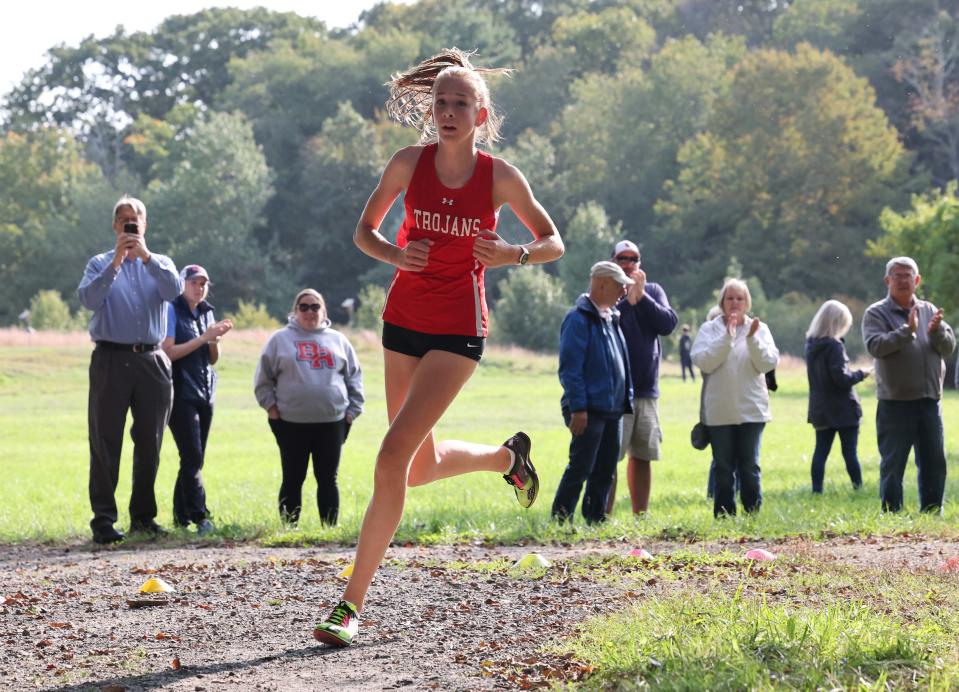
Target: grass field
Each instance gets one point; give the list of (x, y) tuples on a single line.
[(698, 620), (43, 390)]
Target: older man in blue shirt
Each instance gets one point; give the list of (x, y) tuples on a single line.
[(127, 289)]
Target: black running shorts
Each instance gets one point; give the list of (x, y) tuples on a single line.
[(418, 344)]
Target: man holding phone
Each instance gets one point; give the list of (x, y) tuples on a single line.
[(127, 288)]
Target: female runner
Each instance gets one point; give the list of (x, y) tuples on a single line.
[(435, 319)]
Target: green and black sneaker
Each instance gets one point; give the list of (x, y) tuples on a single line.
[(339, 629), (522, 476)]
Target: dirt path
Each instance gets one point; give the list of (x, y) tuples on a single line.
[(241, 616)]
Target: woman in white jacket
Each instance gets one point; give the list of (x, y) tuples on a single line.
[(735, 351)]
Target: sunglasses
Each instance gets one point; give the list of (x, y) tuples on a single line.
[(627, 258), (306, 307)]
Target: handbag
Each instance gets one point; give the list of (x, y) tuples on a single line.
[(699, 435)]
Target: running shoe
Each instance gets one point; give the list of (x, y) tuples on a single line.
[(340, 628), (522, 476)]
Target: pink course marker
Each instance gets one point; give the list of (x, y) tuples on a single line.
[(760, 555), (641, 553)]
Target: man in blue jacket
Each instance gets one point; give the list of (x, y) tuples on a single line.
[(645, 316), (597, 390)]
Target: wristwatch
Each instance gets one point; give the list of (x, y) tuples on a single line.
[(523, 255)]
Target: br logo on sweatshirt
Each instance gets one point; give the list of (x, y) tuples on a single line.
[(316, 356)]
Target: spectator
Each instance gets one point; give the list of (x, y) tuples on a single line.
[(310, 383), (127, 288), (597, 391), (193, 344), (645, 316), (833, 402), (909, 341), (685, 361), (735, 355)]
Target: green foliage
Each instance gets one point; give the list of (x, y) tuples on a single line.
[(929, 233), (252, 316), (676, 118), (605, 40), (768, 180), (530, 309), (49, 312), (369, 314), (207, 211), (41, 174), (589, 238), (341, 166)]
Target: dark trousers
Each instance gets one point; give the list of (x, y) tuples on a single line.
[(849, 440), (142, 384), (297, 441), (900, 426), (592, 460), (685, 365), (190, 425), (711, 481), (736, 453)]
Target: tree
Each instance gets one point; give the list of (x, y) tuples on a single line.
[(589, 238), (207, 211), (606, 40), (40, 173), (790, 176), (99, 87), (931, 70), (621, 135), (341, 167), (530, 310), (929, 233)]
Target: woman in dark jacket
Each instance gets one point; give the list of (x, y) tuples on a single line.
[(833, 402), (192, 343)]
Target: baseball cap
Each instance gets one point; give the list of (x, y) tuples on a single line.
[(610, 270), (624, 245), (192, 271)]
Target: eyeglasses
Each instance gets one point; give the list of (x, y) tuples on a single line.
[(307, 307), (631, 259)]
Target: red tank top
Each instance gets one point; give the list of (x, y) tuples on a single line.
[(449, 295)]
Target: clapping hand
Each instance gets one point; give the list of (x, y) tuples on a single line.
[(216, 330), (934, 322), (754, 327)]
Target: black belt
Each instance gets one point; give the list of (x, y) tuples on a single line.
[(136, 348)]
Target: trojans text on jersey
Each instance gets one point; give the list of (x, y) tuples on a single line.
[(446, 223)]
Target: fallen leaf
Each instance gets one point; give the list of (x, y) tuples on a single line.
[(175, 663)]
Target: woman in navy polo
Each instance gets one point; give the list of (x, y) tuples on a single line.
[(192, 343)]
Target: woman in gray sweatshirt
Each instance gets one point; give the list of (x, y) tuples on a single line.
[(310, 383)]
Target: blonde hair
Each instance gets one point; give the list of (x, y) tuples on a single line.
[(832, 320), (308, 292), (737, 284), (132, 202), (411, 93)]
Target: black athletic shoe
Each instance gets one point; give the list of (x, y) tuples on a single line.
[(150, 528), (522, 476), (107, 536)]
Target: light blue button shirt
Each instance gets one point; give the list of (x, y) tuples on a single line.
[(129, 304)]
